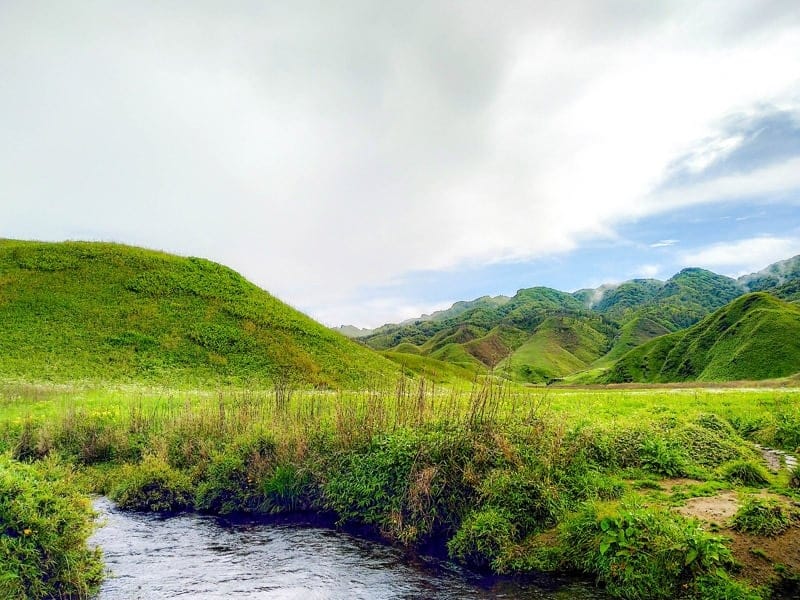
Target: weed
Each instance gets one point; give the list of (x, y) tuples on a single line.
[(762, 517)]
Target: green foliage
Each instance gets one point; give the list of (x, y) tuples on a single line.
[(762, 517), (720, 586), (409, 484), (756, 336), (234, 479), (152, 485), (641, 553), (527, 497), (744, 472), (44, 526), (663, 458), (482, 537), (117, 313)]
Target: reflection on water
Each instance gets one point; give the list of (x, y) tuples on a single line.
[(194, 556)]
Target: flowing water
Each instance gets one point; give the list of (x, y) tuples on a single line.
[(196, 556)]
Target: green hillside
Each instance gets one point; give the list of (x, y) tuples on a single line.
[(558, 347), (756, 336), (79, 310)]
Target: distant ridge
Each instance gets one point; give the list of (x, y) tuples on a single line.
[(549, 335)]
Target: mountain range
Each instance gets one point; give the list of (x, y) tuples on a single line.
[(540, 334)]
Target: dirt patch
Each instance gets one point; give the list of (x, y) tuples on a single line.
[(758, 555), (714, 509)]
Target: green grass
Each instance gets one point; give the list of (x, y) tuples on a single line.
[(755, 337), (106, 312), (559, 346)]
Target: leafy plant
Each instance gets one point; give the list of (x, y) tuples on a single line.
[(762, 517)]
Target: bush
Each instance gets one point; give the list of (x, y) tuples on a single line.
[(762, 517), (413, 485), (234, 476), (662, 458), (482, 537), (641, 553), (528, 498), (744, 472), (153, 486), (44, 525)]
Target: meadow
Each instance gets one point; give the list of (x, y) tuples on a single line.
[(601, 483)]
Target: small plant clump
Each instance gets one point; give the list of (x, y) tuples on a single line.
[(744, 472), (154, 486), (762, 517)]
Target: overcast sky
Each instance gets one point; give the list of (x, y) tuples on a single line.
[(369, 161)]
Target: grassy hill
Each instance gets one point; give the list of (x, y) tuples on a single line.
[(559, 346), (757, 336), (79, 310)]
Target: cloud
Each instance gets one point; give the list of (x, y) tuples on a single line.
[(648, 271), (323, 149), (743, 256), (664, 243)]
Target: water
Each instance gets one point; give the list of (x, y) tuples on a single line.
[(195, 556)]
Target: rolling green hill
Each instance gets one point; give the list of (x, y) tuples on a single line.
[(595, 326), (96, 311), (757, 336), (559, 346)]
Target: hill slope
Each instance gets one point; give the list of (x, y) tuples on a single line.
[(80, 310), (756, 336)]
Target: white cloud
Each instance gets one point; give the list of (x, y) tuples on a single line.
[(648, 271), (743, 256), (323, 149), (663, 243)]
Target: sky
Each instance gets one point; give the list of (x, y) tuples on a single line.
[(368, 162)]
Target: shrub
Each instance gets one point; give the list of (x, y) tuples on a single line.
[(720, 586), (44, 526), (640, 553), (413, 485), (762, 517), (288, 490), (744, 472), (527, 497), (153, 486), (794, 477), (482, 537), (232, 480), (662, 458)]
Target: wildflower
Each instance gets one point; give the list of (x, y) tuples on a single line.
[(27, 532)]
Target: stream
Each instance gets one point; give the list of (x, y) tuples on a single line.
[(198, 556)]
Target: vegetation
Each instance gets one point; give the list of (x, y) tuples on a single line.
[(755, 337), (500, 478), (106, 312), (44, 525), (762, 517)]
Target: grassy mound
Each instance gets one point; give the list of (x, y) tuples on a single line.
[(109, 312), (756, 336)]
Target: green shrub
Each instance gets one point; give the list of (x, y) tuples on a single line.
[(153, 486), (44, 526), (527, 497), (234, 476), (658, 456), (640, 553), (762, 517), (288, 489), (744, 472), (410, 484), (482, 537), (794, 478)]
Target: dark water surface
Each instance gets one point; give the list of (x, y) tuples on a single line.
[(196, 556)]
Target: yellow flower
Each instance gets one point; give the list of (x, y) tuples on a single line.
[(27, 531)]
